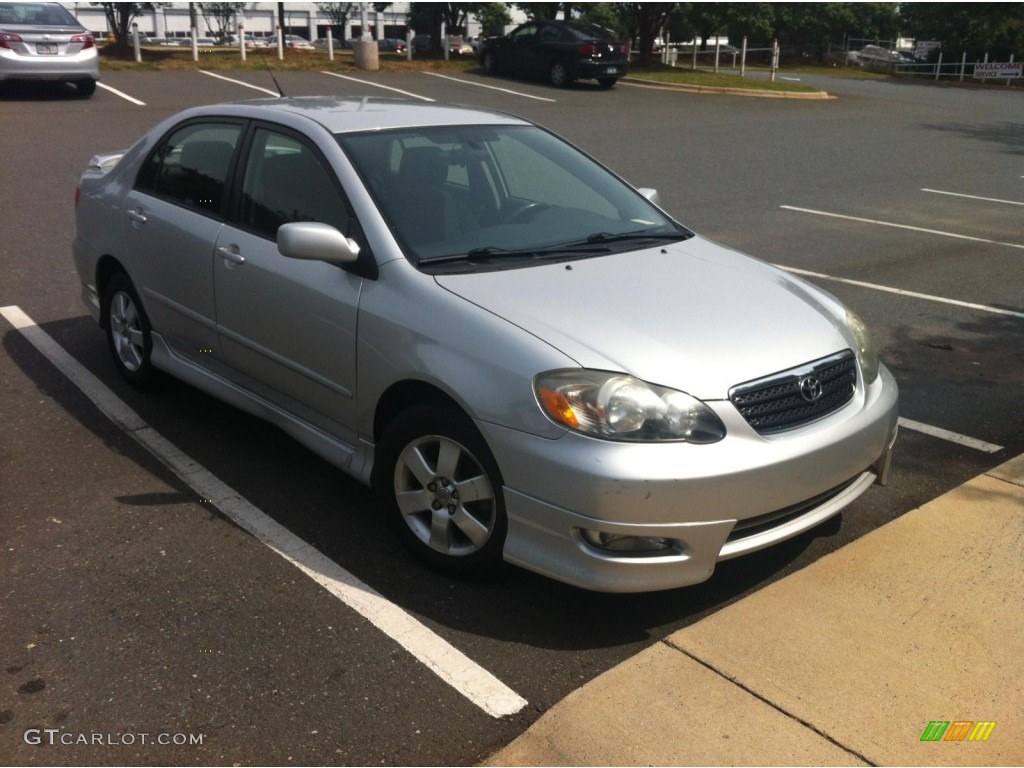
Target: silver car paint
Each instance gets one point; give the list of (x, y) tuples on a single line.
[(482, 338)]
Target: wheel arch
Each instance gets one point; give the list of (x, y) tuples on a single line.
[(403, 395), (106, 267)]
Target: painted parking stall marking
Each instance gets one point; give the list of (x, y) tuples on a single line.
[(123, 95), (952, 437), (879, 223), (475, 683), (902, 292), (491, 87), (377, 85), (240, 82), (974, 197)]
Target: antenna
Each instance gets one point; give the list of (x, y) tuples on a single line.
[(271, 73)]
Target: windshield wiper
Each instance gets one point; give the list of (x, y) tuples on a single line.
[(491, 253), (609, 237)]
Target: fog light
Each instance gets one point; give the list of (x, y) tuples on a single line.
[(617, 542)]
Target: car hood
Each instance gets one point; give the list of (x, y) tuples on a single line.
[(693, 315)]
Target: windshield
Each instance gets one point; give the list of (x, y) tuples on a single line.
[(500, 192)]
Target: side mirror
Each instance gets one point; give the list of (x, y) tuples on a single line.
[(313, 241), (650, 194)]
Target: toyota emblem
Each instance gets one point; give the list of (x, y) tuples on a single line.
[(810, 388)]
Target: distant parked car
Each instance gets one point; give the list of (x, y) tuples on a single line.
[(881, 58), (421, 44), (42, 41), (458, 46), (392, 45), (560, 51), (293, 41)]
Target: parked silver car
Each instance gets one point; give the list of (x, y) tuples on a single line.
[(526, 357), (42, 41)]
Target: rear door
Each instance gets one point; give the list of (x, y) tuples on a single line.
[(171, 220)]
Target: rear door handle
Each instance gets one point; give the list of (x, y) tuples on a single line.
[(230, 253), (136, 215)]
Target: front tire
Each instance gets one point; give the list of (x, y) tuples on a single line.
[(439, 485), (129, 335)]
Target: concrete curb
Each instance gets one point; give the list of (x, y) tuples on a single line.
[(845, 662), (721, 90)]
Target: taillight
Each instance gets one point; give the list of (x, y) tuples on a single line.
[(87, 41), (624, 49), (8, 37), (78, 194), (587, 49)]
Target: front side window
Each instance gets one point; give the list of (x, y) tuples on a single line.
[(487, 190), (191, 166), (286, 181)]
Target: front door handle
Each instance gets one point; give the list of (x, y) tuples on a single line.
[(136, 216), (230, 254)]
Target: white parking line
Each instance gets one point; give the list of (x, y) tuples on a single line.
[(492, 87), (901, 226), (901, 292), (974, 197), (953, 437), (124, 96), (376, 85), (239, 82), (447, 662)]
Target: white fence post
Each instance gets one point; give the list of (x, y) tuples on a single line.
[(743, 58), (938, 67), (963, 66), (195, 44), (135, 38), (330, 44), (280, 43), (775, 58)]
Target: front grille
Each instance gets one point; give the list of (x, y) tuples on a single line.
[(792, 398)]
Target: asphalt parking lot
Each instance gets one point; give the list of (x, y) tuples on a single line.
[(132, 605)]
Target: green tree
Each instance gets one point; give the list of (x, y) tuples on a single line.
[(547, 10), (974, 28), (645, 21), (337, 14), (807, 29), (426, 19), (493, 17), (218, 17), (119, 21)]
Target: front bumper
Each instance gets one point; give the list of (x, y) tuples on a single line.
[(712, 502)]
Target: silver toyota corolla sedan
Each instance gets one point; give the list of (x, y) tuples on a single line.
[(525, 356)]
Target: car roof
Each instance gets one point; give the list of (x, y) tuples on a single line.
[(341, 115)]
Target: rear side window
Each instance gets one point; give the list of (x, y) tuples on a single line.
[(191, 166)]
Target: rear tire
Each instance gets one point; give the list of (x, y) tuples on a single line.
[(86, 88), (607, 82), (129, 335), (439, 485), (559, 75)]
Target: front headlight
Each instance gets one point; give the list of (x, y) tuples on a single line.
[(867, 355), (615, 406)]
